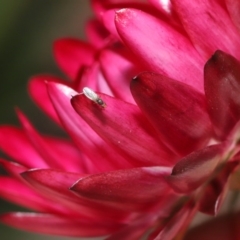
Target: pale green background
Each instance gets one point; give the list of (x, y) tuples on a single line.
[(27, 30)]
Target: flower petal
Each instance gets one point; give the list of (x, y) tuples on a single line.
[(38, 91), (100, 155), (56, 225), (198, 17), (53, 180), (118, 71), (96, 33), (175, 109), (71, 54), (137, 186), (10, 189), (19, 147), (108, 22), (123, 127), (54, 151), (216, 190), (170, 228), (55, 185), (222, 87), (135, 27), (193, 170), (93, 78), (100, 7), (12, 168), (162, 5), (233, 7)]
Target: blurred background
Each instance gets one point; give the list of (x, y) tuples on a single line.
[(27, 30)]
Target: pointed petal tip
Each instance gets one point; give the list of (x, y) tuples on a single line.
[(222, 86), (143, 80), (56, 88), (218, 54), (165, 102), (123, 16)]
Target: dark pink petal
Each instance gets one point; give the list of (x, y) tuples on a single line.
[(162, 5), (233, 7), (12, 168), (193, 170), (19, 147), (99, 7), (56, 181), (123, 126), (71, 54), (172, 226), (38, 91), (215, 193), (57, 153), (108, 21), (175, 109), (139, 187), (222, 87), (89, 77), (56, 225), (198, 17), (67, 154), (55, 185), (165, 8), (225, 227), (101, 156), (97, 34), (20, 194), (160, 47), (137, 229), (119, 71), (93, 78)]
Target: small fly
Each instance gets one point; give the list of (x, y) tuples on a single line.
[(90, 94)]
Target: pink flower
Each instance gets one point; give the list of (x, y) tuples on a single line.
[(140, 160)]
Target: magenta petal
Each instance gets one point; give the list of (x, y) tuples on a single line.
[(93, 78), (56, 225), (165, 52), (118, 71), (108, 21), (58, 154), (175, 109), (198, 17), (193, 170), (71, 54), (162, 5), (233, 7), (11, 188), (137, 229), (55, 185), (19, 147), (124, 127), (100, 155), (222, 87), (137, 186), (12, 168), (101, 7), (56, 181), (38, 91), (96, 33), (216, 190), (172, 226)]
